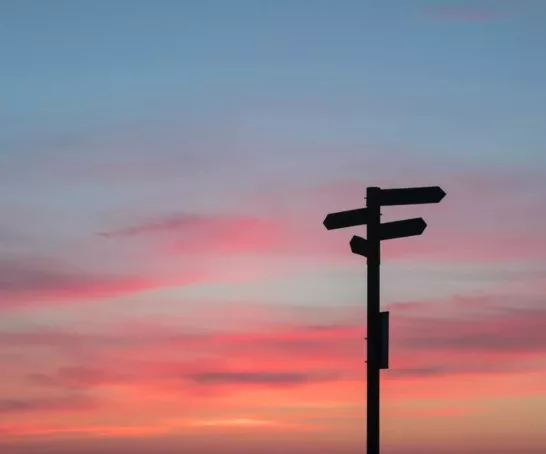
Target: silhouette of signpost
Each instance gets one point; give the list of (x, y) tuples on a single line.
[(378, 322)]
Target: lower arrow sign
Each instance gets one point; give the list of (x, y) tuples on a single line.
[(400, 229), (359, 246)]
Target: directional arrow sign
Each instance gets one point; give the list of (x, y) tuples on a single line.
[(359, 246), (411, 196), (400, 229), (346, 219)]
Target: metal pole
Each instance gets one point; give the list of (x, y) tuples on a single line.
[(374, 260)]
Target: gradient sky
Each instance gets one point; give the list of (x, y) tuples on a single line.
[(166, 284)]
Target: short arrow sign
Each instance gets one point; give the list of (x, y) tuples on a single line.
[(346, 219), (411, 196), (359, 246), (400, 229)]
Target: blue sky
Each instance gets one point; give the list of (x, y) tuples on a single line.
[(389, 72)]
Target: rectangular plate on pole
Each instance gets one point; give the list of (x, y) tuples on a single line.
[(344, 219), (411, 196), (401, 229), (384, 340)]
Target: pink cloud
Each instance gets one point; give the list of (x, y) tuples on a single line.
[(81, 377), (95, 431), (275, 379), (459, 348), (473, 337), (467, 337), (30, 282), (451, 245), (214, 233), (212, 236), (221, 360), (464, 226), (187, 223)]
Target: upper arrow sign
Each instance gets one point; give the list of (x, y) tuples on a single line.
[(400, 229), (411, 196), (346, 219)]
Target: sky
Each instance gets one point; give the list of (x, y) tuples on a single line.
[(166, 283)]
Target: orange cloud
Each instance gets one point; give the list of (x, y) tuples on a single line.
[(483, 336), (296, 376), (233, 422), (82, 431)]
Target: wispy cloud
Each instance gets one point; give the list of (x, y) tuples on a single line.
[(81, 377), (467, 342), (92, 431), (42, 282), (213, 233), (233, 422), (484, 335), (260, 378), (431, 412), (178, 248), (479, 325), (178, 223), (46, 405)]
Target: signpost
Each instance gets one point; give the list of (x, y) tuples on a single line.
[(378, 322)]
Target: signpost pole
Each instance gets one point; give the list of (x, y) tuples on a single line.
[(373, 322)]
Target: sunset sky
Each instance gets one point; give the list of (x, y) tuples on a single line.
[(166, 283)]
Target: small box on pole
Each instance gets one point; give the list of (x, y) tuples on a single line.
[(384, 340)]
